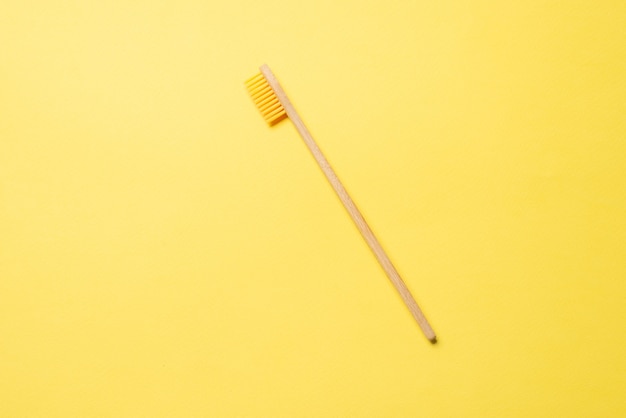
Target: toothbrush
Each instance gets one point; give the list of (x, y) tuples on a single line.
[(274, 105)]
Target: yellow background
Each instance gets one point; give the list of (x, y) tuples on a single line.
[(163, 253)]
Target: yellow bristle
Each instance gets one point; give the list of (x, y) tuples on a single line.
[(265, 99)]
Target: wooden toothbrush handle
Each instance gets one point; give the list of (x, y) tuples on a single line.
[(348, 203)]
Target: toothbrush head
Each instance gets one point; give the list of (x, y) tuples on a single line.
[(265, 99)]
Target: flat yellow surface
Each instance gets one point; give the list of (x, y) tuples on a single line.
[(163, 253)]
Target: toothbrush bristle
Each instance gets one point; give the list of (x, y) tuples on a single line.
[(265, 99)]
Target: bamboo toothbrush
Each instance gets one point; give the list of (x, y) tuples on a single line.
[(274, 105)]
